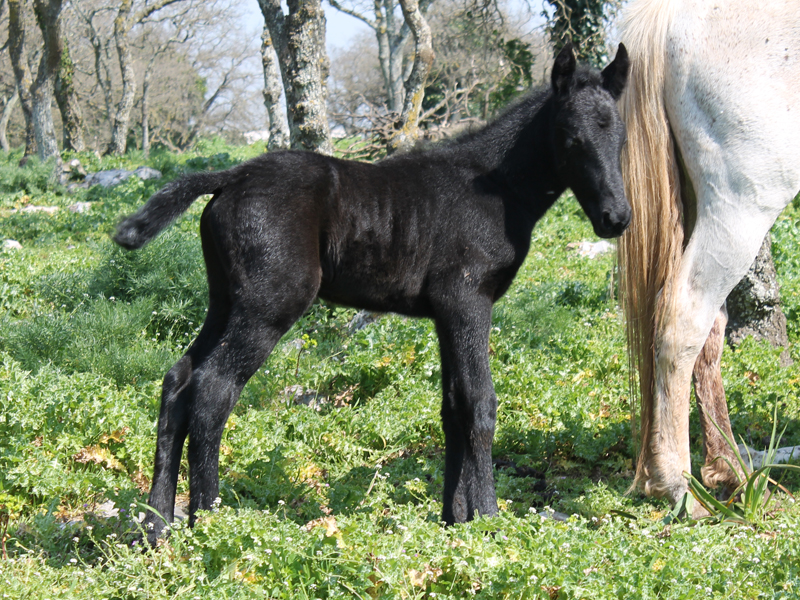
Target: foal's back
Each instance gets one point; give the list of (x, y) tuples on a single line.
[(382, 236)]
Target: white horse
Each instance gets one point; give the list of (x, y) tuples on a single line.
[(713, 156)]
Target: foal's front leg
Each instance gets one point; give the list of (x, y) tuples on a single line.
[(469, 409)]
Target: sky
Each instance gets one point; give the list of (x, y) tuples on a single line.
[(341, 28)]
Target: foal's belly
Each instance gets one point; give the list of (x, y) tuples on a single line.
[(378, 289)]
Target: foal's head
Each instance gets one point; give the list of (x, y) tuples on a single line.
[(588, 137)]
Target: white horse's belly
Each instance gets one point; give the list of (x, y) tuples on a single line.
[(733, 85)]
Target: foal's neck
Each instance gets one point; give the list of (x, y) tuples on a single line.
[(516, 154)]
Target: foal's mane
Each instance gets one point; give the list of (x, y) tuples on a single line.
[(491, 142)]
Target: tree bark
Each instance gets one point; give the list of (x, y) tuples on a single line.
[(48, 16), (68, 105), (278, 126), (101, 70), (122, 116), (146, 110), (408, 124), (299, 39), (122, 26), (22, 74), (754, 305), (7, 110), (392, 40)]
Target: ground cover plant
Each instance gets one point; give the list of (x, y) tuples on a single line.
[(331, 467)]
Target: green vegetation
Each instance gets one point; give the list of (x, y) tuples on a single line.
[(340, 497), (749, 501)]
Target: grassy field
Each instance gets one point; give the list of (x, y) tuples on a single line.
[(339, 496)]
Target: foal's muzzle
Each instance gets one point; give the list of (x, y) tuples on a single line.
[(613, 221)]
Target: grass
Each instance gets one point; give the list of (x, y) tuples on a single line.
[(341, 497), (749, 502)]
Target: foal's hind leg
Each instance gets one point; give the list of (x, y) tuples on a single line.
[(713, 408), (252, 303), (469, 409)]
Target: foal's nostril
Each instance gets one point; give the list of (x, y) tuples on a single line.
[(607, 222)]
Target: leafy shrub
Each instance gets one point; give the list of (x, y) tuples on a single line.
[(34, 178)]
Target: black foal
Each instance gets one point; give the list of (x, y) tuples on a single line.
[(437, 233)]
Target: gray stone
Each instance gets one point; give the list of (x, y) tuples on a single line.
[(299, 395), (782, 455), (363, 318), (109, 178), (79, 207), (50, 210), (754, 305), (145, 173), (114, 177), (12, 245)]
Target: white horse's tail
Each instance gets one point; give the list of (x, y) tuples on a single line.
[(650, 251)]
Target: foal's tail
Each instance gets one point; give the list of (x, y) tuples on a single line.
[(650, 251), (165, 206)]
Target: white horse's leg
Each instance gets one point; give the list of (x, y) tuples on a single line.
[(721, 466), (716, 258), (731, 88)]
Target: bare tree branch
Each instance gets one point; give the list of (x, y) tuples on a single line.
[(370, 22), (408, 124)]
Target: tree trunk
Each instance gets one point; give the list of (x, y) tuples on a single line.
[(48, 16), (583, 22), (299, 39), (408, 124), (398, 36), (392, 37), (278, 126), (146, 110), (383, 37), (7, 110), (122, 117), (68, 105), (101, 70), (754, 305), (22, 74)]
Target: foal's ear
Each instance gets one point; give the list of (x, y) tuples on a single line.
[(615, 75), (563, 69)]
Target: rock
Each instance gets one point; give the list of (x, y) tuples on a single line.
[(363, 318), (79, 207), (73, 170), (107, 179), (251, 137), (12, 245), (754, 305), (299, 395), (50, 210), (591, 249), (145, 173), (782, 455), (114, 177)]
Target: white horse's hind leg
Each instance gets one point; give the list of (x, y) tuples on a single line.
[(721, 466), (718, 255)]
